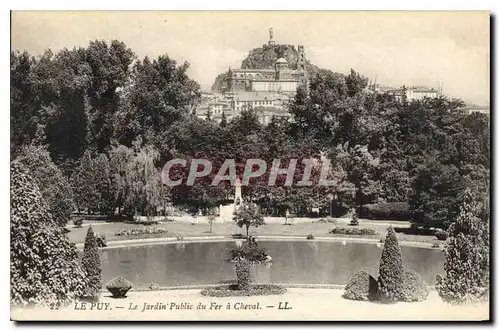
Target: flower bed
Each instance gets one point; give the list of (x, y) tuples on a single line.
[(354, 231), (140, 231), (232, 290)]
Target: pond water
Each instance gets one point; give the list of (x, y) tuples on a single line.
[(298, 262)]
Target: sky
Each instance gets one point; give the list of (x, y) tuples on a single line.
[(395, 48)]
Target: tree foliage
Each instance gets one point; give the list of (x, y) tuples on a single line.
[(53, 185), (248, 215), (91, 264), (390, 280), (466, 257), (43, 262)]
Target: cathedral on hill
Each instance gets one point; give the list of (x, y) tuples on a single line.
[(278, 79), (264, 91)]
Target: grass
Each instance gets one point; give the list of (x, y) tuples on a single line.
[(232, 290), (227, 229)]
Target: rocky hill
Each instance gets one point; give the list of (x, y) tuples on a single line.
[(265, 58)]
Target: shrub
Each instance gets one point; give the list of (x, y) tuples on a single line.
[(441, 235), (91, 264), (232, 290), (43, 262), (237, 236), (119, 287), (354, 220), (78, 222), (354, 232), (362, 287), (101, 240), (435, 245), (390, 280), (414, 287), (399, 211), (466, 258), (310, 236), (140, 231)]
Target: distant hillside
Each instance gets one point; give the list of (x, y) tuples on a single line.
[(264, 58)]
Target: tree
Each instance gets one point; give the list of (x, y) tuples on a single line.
[(110, 67), (53, 185), (160, 93), (84, 184), (248, 215), (91, 264), (466, 257), (43, 262), (390, 280)]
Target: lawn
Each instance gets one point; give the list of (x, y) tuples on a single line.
[(271, 228)]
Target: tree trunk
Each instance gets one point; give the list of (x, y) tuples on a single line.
[(247, 230)]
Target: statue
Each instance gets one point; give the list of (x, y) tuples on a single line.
[(271, 36)]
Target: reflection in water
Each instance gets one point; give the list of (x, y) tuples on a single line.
[(293, 262)]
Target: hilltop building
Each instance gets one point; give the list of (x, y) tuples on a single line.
[(265, 91)]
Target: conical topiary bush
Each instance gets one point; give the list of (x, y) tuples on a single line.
[(390, 281), (91, 264), (119, 287)]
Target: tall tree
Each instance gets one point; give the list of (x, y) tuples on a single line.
[(91, 264), (44, 264), (466, 257)]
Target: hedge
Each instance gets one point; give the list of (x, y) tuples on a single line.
[(397, 211)]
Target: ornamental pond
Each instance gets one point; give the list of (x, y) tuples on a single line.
[(294, 262)]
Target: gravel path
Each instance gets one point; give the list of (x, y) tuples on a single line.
[(303, 304)]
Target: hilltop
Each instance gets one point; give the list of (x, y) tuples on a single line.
[(264, 58)]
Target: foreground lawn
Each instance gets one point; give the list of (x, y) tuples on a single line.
[(274, 227), (305, 304)]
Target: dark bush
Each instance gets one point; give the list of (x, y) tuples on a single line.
[(414, 287), (353, 231), (78, 222), (399, 211), (101, 240), (362, 287), (119, 287), (441, 235), (237, 236), (310, 236), (390, 280)]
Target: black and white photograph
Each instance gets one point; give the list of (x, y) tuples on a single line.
[(250, 166)]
